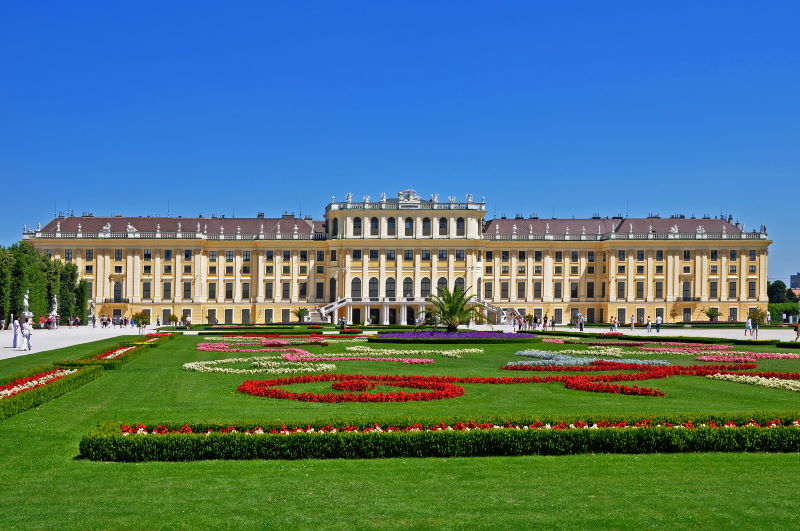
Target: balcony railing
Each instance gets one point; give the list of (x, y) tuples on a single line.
[(117, 300)]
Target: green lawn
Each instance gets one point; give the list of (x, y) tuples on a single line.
[(47, 486)]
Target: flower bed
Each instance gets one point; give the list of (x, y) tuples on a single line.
[(449, 353), (772, 383), (261, 364), (26, 390), (563, 358), (113, 442)]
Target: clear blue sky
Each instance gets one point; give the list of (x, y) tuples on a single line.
[(557, 108)]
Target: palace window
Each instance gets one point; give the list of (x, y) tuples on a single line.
[(319, 292), (621, 255), (333, 255), (489, 256), (489, 270), (146, 295), (714, 269), (391, 255), (441, 284), (302, 288), (573, 290), (268, 293), (558, 270), (751, 269), (373, 254), (557, 290), (286, 289), (212, 290), (409, 227), (303, 256), (335, 227), (442, 226), (391, 290), (269, 270), (559, 256), (187, 291), (504, 290), (356, 226), (408, 255), (89, 269), (167, 254), (229, 290), (229, 256), (167, 291), (574, 256), (425, 287), (521, 255), (269, 256), (117, 254), (487, 291), (659, 270), (573, 270), (713, 290), (714, 255), (537, 289), (520, 270), (504, 255), (167, 269), (442, 254), (303, 270), (620, 269), (459, 255), (408, 287), (374, 227), (620, 290), (187, 270), (659, 256), (504, 270), (687, 255), (590, 256), (391, 227), (733, 254), (117, 269), (640, 256), (285, 270), (320, 256), (640, 290), (659, 289), (426, 226), (68, 255), (753, 255), (356, 255), (751, 290), (460, 227), (187, 254), (590, 290), (425, 255), (320, 269), (590, 270), (732, 269), (537, 256), (287, 256)]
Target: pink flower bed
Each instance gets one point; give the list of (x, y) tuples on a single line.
[(748, 356), (298, 354)]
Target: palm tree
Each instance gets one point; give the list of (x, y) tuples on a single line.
[(300, 313), (452, 308)]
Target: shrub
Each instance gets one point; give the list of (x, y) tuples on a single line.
[(107, 443), (35, 397)]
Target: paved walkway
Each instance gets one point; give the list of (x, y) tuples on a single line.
[(42, 340)]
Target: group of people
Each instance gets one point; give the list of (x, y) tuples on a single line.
[(545, 321), (22, 334), (614, 323), (751, 327), (109, 322)]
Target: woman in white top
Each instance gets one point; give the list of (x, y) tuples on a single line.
[(748, 326), (26, 335), (16, 333)]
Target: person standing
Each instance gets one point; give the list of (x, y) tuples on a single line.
[(649, 325), (544, 322), (797, 331), (658, 324), (748, 327), (17, 331), (633, 322), (755, 328)]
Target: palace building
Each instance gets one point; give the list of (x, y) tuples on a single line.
[(378, 262)]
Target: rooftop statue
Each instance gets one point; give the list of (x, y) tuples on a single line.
[(131, 228)]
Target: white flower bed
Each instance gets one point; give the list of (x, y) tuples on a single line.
[(772, 383), (31, 384), (611, 352), (447, 353), (263, 364)]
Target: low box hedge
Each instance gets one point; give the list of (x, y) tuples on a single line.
[(35, 397), (449, 341), (107, 443), (788, 344)]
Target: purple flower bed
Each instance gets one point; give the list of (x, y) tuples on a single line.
[(451, 335)]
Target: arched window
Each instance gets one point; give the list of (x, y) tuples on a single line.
[(118, 291), (390, 288), (355, 287), (441, 284), (409, 227), (426, 226), (335, 227), (332, 289), (425, 287), (356, 226), (460, 227), (459, 284), (373, 287), (391, 227), (374, 227), (408, 287), (442, 226)]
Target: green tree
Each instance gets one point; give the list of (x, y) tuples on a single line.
[(6, 266), (712, 314), (141, 319), (452, 308), (29, 273), (791, 296), (758, 315), (67, 292), (82, 301), (300, 313), (776, 291)]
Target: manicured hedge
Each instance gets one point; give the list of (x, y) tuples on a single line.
[(109, 364), (35, 397), (443, 341), (788, 344), (108, 444)]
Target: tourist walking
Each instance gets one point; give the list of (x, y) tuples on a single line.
[(797, 331), (658, 324), (649, 325), (544, 322), (633, 322), (755, 328), (27, 328), (748, 327)]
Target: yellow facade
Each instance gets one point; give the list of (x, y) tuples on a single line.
[(377, 261)]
